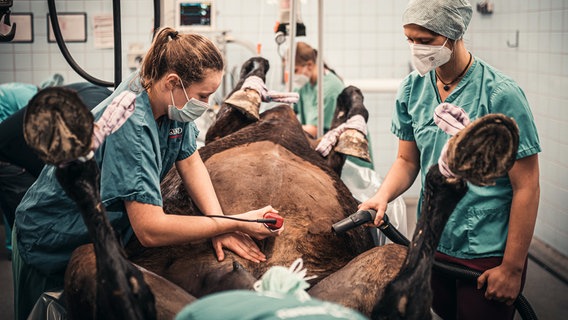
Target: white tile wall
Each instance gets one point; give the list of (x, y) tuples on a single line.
[(35, 62), (362, 39), (540, 65)]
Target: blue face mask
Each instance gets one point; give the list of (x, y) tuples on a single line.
[(192, 109)]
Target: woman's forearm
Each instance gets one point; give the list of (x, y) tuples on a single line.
[(154, 228), (524, 207), (198, 184), (402, 174)]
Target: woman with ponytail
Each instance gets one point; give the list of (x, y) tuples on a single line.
[(171, 90), (305, 82)]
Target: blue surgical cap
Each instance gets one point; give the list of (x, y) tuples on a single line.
[(449, 18)]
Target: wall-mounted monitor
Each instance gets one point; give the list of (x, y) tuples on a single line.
[(195, 15)]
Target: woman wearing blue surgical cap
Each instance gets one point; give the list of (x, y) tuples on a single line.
[(491, 228)]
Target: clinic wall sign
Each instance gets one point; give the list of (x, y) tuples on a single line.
[(73, 26)]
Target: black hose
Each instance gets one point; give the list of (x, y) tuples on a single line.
[(392, 233), (522, 305), (272, 221), (61, 43)]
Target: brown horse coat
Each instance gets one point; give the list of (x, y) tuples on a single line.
[(267, 162)]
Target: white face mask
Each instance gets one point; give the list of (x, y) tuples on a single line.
[(300, 80), (426, 57), (191, 110)]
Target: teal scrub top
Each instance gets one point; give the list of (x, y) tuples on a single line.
[(14, 96), (306, 107), (133, 160), (250, 305), (307, 111), (478, 226)]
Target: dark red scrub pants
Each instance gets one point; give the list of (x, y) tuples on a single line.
[(460, 299)]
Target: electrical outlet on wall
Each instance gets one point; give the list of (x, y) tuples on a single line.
[(135, 55)]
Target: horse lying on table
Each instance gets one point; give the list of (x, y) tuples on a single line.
[(282, 168), (257, 162), (271, 160)]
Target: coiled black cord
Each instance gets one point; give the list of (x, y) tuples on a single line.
[(269, 221)]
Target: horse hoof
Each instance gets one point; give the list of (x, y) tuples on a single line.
[(58, 126), (353, 143), (247, 101), (484, 150)]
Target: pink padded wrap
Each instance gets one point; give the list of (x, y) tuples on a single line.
[(256, 83), (329, 140), (113, 117)]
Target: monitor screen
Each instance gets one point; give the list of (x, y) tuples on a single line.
[(195, 14)]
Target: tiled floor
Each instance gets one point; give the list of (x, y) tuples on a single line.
[(547, 294)]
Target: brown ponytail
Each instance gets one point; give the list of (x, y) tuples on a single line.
[(187, 55)]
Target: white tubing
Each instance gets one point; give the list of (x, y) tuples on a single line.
[(378, 85)]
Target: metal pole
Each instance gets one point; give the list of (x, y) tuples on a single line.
[(63, 47), (292, 44), (117, 42), (320, 69), (157, 17)]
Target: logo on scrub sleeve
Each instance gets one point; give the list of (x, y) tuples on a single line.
[(175, 133)]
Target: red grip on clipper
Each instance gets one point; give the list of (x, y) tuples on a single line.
[(279, 220)]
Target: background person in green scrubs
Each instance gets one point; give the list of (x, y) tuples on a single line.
[(14, 180), (305, 83), (359, 174), (491, 228)]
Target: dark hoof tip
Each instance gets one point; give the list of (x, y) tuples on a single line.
[(58, 126)]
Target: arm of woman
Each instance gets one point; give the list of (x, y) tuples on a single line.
[(154, 228), (504, 281), (399, 178), (198, 184), (311, 129)]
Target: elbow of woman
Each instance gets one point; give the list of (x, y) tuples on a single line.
[(148, 223), (148, 242), (148, 239)]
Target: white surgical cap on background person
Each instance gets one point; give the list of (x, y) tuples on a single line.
[(449, 18)]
